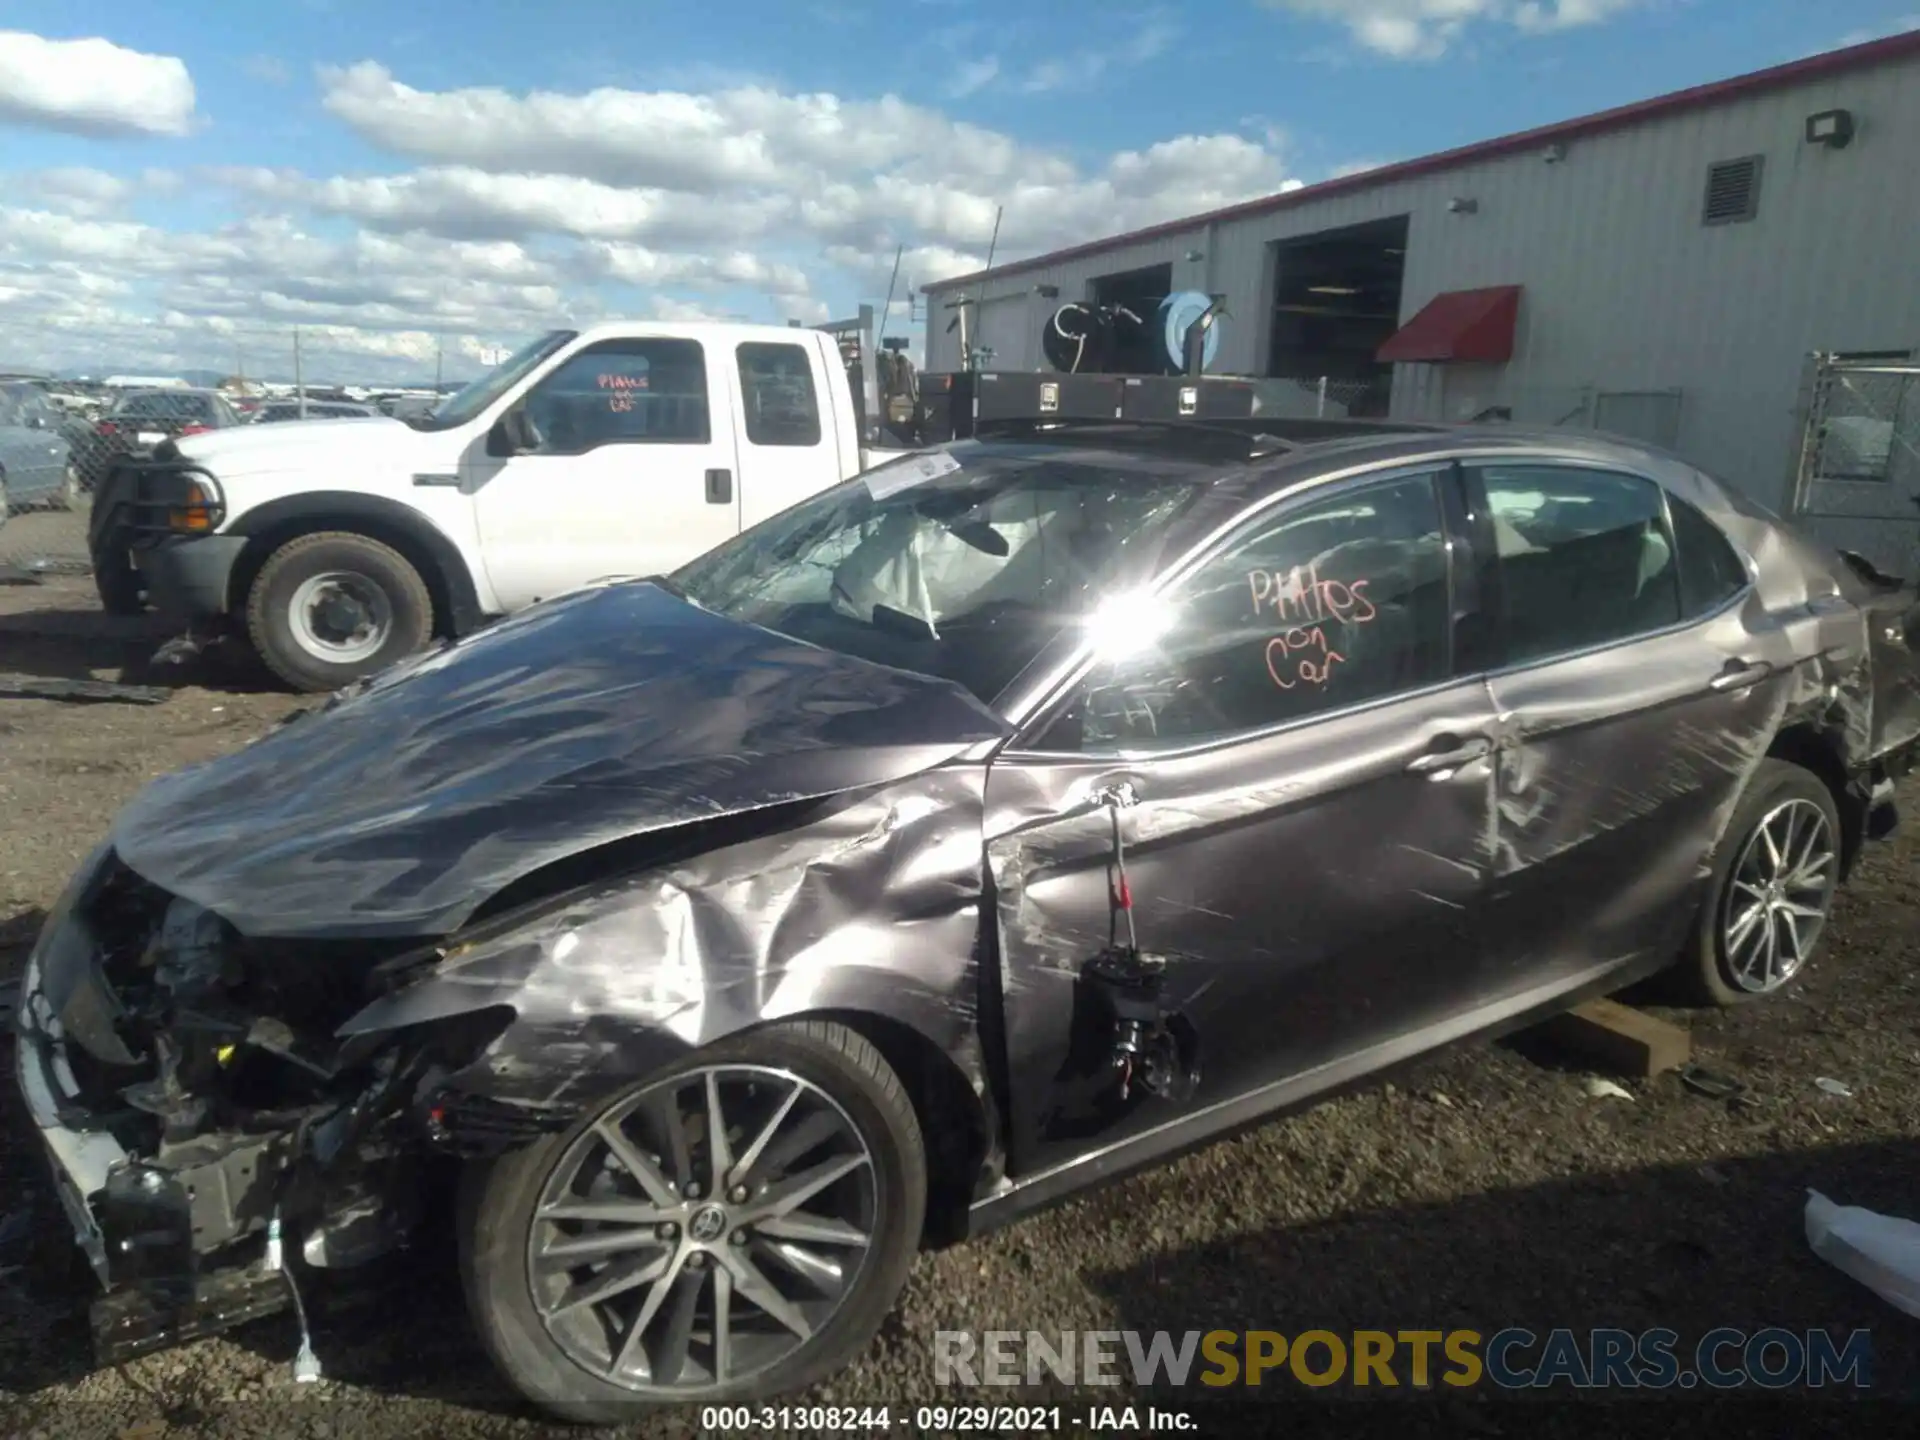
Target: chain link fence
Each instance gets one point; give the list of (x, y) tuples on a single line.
[(59, 441), (1864, 425)]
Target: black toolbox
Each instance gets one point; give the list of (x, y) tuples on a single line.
[(952, 403)]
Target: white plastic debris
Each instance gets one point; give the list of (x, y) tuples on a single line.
[(1881, 1252), (1834, 1087), (1601, 1088)]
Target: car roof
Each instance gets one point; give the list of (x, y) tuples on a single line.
[(1256, 457)]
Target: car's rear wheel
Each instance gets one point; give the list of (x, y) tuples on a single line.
[(1773, 889), (732, 1230), (335, 607)]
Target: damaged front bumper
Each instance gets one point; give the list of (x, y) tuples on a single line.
[(177, 1187), (141, 1226)]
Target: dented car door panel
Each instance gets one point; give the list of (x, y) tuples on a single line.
[(1312, 893), (1617, 772)]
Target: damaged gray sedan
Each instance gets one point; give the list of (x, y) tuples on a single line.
[(1013, 817)]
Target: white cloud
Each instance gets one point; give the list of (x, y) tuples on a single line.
[(92, 87), (511, 212), (71, 189), (111, 291), (752, 166), (464, 202), (1424, 29)]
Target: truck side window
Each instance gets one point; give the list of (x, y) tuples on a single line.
[(649, 391), (777, 394)]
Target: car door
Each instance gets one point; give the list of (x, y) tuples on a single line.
[(47, 448), (31, 450), (1311, 799), (1638, 678), (632, 472), (786, 452)]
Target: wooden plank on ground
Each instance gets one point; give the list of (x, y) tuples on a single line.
[(1626, 1041)]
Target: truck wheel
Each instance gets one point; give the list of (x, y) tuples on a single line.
[(728, 1231), (1772, 891), (118, 584), (335, 607)]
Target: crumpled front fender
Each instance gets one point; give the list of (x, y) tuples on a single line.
[(871, 910)]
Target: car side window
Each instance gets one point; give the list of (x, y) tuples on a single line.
[(1585, 557), (777, 394), (649, 391), (1711, 571), (1323, 605)]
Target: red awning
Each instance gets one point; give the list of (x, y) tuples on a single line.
[(1475, 326)]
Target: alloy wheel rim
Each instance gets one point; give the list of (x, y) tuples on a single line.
[(1777, 901), (340, 617), (703, 1231)]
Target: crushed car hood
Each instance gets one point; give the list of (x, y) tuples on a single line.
[(606, 714)]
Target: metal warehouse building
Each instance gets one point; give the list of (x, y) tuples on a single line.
[(1669, 270)]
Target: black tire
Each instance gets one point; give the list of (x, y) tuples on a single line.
[(270, 601), (1707, 974), (118, 584), (497, 1209)]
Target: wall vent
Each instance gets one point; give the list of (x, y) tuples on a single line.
[(1733, 191)]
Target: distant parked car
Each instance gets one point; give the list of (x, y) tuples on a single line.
[(138, 421), (35, 458), (279, 410)]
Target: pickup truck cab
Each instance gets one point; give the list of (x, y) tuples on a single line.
[(340, 546)]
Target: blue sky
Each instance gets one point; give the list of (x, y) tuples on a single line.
[(188, 182)]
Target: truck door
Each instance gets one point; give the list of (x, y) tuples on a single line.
[(1859, 482), (787, 450), (632, 470)]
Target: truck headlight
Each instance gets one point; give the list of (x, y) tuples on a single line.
[(198, 512)]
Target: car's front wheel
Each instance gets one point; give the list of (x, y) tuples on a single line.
[(335, 607), (1773, 888), (732, 1230)]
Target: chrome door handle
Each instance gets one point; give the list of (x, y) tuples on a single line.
[(451, 481), (1442, 763), (1738, 676)]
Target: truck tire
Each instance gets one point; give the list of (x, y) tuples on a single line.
[(331, 608), (841, 1139)]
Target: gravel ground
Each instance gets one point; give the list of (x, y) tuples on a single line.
[(1484, 1190)]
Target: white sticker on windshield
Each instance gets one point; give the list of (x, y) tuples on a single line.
[(892, 478)]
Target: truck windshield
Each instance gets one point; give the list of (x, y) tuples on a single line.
[(468, 402), (962, 563)]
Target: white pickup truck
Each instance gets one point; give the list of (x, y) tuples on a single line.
[(342, 545)]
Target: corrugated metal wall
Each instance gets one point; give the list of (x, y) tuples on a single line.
[(1626, 289)]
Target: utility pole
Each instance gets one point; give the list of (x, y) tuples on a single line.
[(299, 385), (439, 355)]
